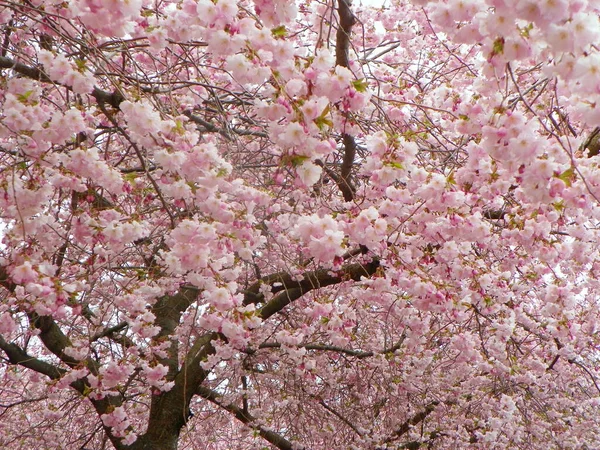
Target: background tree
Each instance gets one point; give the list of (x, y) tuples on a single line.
[(309, 225)]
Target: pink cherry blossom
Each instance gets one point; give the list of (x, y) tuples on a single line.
[(299, 225)]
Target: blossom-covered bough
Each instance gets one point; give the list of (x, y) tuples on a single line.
[(310, 225)]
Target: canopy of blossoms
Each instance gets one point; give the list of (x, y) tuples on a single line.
[(299, 225)]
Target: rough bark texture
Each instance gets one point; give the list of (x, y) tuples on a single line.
[(342, 49)]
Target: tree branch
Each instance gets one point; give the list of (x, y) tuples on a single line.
[(114, 99), (168, 310), (314, 280), (246, 418), (342, 35), (342, 47), (310, 280), (342, 418), (16, 355), (592, 143), (415, 420)]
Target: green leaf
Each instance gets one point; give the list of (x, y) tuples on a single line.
[(80, 64), (297, 160), (130, 177), (568, 176), (498, 46), (323, 122), (279, 32), (559, 206), (178, 128), (192, 186), (325, 111), (525, 30), (360, 85), (24, 97), (394, 164), (450, 179)]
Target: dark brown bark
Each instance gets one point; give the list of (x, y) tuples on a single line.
[(592, 143), (415, 420), (169, 411), (113, 99), (342, 50), (246, 418)]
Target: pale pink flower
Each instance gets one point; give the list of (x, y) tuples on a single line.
[(24, 273), (309, 173), (7, 324)]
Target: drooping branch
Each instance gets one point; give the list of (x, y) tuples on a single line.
[(314, 280), (206, 126), (415, 420), (247, 419), (56, 342), (16, 355), (283, 281), (326, 348), (360, 354), (341, 417), (113, 99), (50, 333), (107, 332)]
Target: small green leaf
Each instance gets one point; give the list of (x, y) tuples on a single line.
[(394, 164), (297, 160), (24, 97), (498, 46), (559, 206), (360, 85), (279, 32), (450, 179), (192, 186), (130, 177), (525, 31), (80, 64), (323, 122), (568, 176), (178, 128)]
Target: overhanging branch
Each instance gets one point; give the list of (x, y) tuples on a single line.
[(16, 355), (415, 420), (246, 418), (314, 280), (113, 99)]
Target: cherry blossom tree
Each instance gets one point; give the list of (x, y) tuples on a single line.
[(299, 225)]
